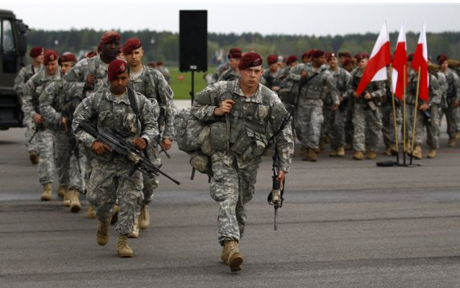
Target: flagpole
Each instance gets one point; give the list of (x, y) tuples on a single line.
[(404, 115), (394, 112), (415, 114)]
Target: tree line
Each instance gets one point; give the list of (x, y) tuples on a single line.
[(164, 46)]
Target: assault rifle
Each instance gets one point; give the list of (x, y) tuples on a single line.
[(115, 140)]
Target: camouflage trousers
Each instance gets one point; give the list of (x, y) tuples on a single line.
[(349, 129), (431, 126), (328, 115), (150, 184), (108, 182), (388, 125), (231, 188), (30, 130), (53, 147), (77, 169), (309, 121), (338, 129), (452, 119), (367, 125)]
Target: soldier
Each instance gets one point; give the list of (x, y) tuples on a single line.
[(232, 73), (249, 108), (36, 53), (45, 137), (87, 76), (165, 71), (338, 118), (343, 56), (366, 115), (309, 112), (67, 61), (452, 98), (112, 107), (273, 74), (150, 83), (388, 124)]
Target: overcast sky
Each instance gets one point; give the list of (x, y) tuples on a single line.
[(303, 19)]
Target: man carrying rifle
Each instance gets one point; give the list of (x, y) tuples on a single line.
[(242, 115), (150, 83), (116, 107)]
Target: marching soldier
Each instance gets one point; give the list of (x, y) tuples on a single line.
[(273, 74), (232, 73)]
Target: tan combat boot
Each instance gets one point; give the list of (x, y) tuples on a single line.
[(67, 195), (33, 157), (432, 153), (62, 189), (144, 218), (371, 155), (333, 153), (91, 212), (123, 249), (312, 155), (417, 152), (341, 152), (306, 154), (75, 201), (387, 151), (452, 142), (234, 257), (46, 195), (457, 136), (135, 233), (358, 155), (348, 147), (303, 152), (224, 254), (102, 234)]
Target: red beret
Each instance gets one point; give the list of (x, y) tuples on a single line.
[(151, 64), (272, 59), (345, 54), (116, 67), (50, 55), (109, 36), (330, 55), (235, 53), (316, 53), (159, 63), (36, 51), (347, 61), (441, 59), (362, 56), (91, 54), (130, 45), (69, 57), (291, 59), (250, 59)]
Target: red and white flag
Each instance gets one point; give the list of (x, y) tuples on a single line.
[(376, 69), (399, 76), (420, 63)]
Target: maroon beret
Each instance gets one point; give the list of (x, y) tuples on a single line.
[(347, 61), (330, 55), (272, 59), (291, 59), (50, 55), (110, 36), (130, 45), (35, 51), (235, 53), (159, 63), (116, 67), (250, 59), (69, 57), (151, 64), (361, 56), (441, 59), (91, 54), (345, 54), (317, 53)]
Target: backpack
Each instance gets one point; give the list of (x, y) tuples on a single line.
[(188, 129)]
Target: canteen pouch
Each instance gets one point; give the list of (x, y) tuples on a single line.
[(219, 136)]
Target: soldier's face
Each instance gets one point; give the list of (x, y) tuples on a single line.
[(319, 60), (65, 66), (234, 62), (39, 58), (111, 49), (135, 57), (118, 86), (52, 67), (445, 65), (274, 67), (250, 77), (333, 62), (363, 63)]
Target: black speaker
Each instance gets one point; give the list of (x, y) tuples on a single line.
[(193, 40)]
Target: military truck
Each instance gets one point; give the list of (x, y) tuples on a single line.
[(13, 48)]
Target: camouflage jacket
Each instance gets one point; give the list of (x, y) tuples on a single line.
[(453, 85), (166, 74), (220, 69), (152, 84), (343, 84), (51, 102), (376, 89), (229, 75), (319, 86), (272, 79), (103, 109), (23, 76), (434, 90), (263, 110)]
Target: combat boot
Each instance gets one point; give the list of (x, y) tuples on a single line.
[(306, 154), (333, 153), (123, 249), (62, 189), (387, 151), (432, 153), (452, 142), (75, 201), (417, 152), (144, 218), (135, 233), (102, 235), (312, 155), (371, 155), (91, 212), (348, 147), (33, 157), (66, 199), (46, 195), (303, 152), (234, 257), (322, 144), (358, 155), (341, 152), (457, 136), (224, 254)]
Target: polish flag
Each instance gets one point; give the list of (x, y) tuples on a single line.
[(420, 61), (376, 69), (399, 76)]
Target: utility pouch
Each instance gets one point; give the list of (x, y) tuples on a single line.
[(219, 136), (201, 163), (244, 141)]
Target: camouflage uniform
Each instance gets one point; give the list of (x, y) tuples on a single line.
[(272, 79), (443, 86), (235, 169), (19, 85), (153, 85), (366, 121), (386, 109), (453, 94), (229, 75), (46, 139), (220, 69), (165, 72), (109, 179)]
